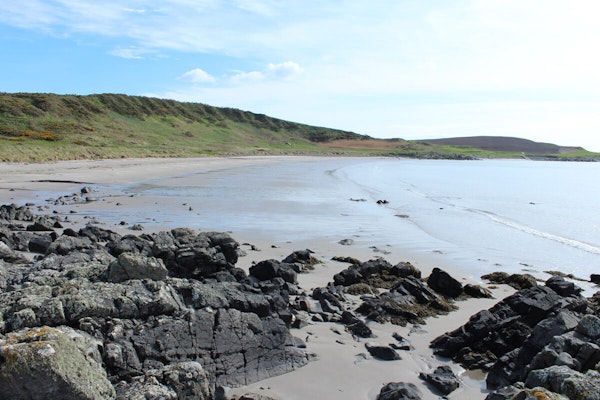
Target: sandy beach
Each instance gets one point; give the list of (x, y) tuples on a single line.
[(342, 368)]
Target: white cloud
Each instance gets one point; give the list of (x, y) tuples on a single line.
[(197, 75), (274, 72), (284, 70)]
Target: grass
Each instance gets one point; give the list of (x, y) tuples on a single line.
[(38, 127)]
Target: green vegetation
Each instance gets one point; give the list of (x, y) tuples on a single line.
[(46, 127)]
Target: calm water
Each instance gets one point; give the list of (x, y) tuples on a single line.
[(477, 215)]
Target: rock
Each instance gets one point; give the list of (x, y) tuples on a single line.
[(135, 266), (595, 278), (385, 353), (346, 242), (9, 255), (40, 243), (402, 344), (270, 269), (582, 387), (254, 396), (442, 379), (589, 326), (10, 212), (68, 244), (495, 336), (518, 281), (519, 393), (223, 393), (405, 269), (443, 283), (44, 363), (477, 291), (399, 391), (378, 273), (40, 225), (563, 287), (355, 325), (302, 257)]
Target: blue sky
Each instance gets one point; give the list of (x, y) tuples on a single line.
[(397, 68)]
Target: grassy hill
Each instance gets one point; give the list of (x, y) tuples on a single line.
[(44, 127)]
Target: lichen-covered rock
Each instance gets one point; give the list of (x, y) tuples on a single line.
[(589, 326), (179, 381), (51, 363), (582, 387)]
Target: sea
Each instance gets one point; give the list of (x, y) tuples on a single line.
[(476, 216)]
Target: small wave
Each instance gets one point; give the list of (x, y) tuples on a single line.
[(546, 235)]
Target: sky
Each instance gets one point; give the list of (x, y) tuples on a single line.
[(386, 68)]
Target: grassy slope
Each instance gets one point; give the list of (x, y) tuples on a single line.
[(42, 127)]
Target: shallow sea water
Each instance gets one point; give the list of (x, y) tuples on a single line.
[(477, 216)]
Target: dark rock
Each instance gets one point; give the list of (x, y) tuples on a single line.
[(270, 269), (405, 269), (68, 244), (443, 379), (402, 344), (355, 325), (517, 392), (399, 391), (518, 281), (409, 301), (443, 283), (595, 278), (302, 257), (41, 225), (97, 234), (563, 287), (385, 353), (494, 336), (40, 243), (11, 212), (477, 291)]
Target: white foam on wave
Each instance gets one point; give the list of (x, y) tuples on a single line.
[(532, 231)]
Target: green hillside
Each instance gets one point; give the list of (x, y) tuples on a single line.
[(36, 127), (46, 127)]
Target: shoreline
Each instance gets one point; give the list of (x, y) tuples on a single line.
[(339, 369)]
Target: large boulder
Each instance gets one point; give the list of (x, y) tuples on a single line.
[(52, 363)]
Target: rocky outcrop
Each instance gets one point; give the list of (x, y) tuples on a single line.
[(543, 338), (169, 316)]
